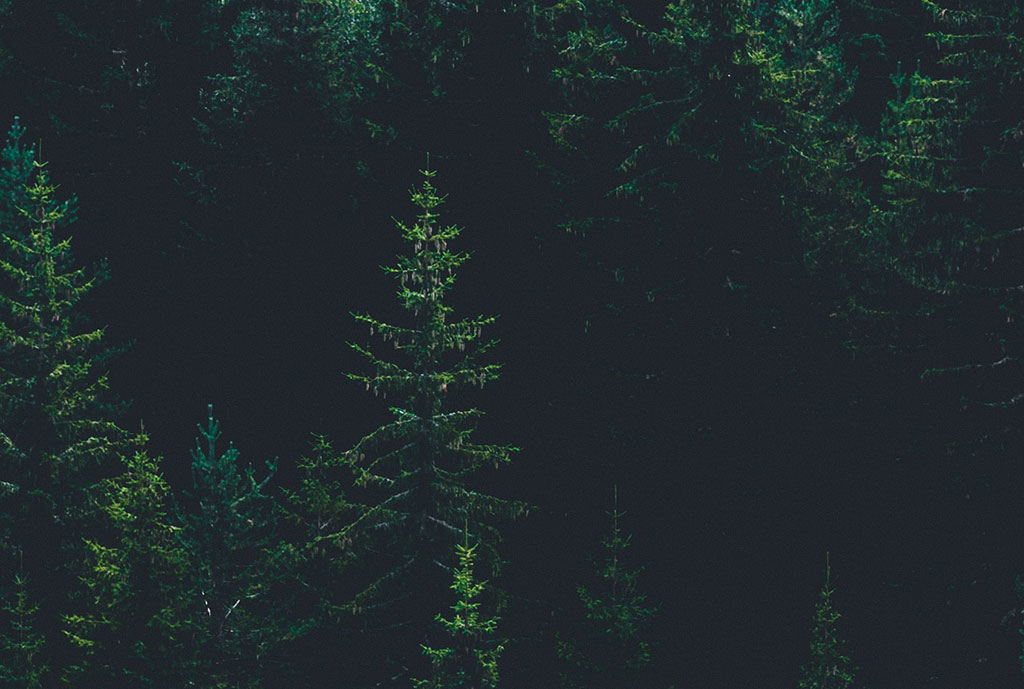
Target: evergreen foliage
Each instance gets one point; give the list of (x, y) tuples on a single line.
[(21, 644), (829, 667), (320, 61), (952, 199), (17, 159), (137, 633), (471, 659), (316, 563), (421, 465), (777, 215), (226, 523), (810, 146), (58, 439), (611, 645)]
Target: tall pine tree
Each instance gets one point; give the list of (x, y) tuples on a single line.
[(58, 436), (420, 468), (226, 523)]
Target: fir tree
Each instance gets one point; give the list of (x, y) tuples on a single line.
[(423, 461), (806, 140), (137, 633), (471, 659), (942, 259), (21, 643), (316, 558), (58, 437), (17, 163), (226, 523), (829, 667), (419, 469), (610, 646)]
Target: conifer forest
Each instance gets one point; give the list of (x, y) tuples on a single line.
[(518, 344)]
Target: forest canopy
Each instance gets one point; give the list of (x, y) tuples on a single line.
[(423, 343)]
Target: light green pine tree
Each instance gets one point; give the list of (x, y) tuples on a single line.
[(137, 632), (21, 643), (318, 558), (829, 667), (420, 467), (58, 437), (470, 661)]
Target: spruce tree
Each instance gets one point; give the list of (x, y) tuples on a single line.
[(420, 467), (315, 556), (608, 646), (805, 139), (58, 436), (17, 163), (226, 522), (137, 632), (470, 661), (21, 642), (829, 667)]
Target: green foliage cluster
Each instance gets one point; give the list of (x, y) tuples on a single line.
[(59, 442), (829, 667), (225, 527), (472, 658), (422, 463), (732, 173), (613, 647), (22, 644)]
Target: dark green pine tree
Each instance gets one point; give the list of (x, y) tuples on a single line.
[(829, 667), (316, 556), (609, 646), (226, 523), (420, 467), (808, 143), (17, 163), (470, 660), (137, 633), (21, 643), (58, 437)]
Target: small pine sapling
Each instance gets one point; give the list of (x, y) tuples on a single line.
[(829, 667), (137, 630), (470, 661), (21, 644), (610, 647)]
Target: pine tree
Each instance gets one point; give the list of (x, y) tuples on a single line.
[(316, 558), (58, 437), (471, 659), (423, 461), (610, 646), (18, 163), (419, 469), (226, 522), (137, 633), (21, 643), (829, 667), (808, 144)]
